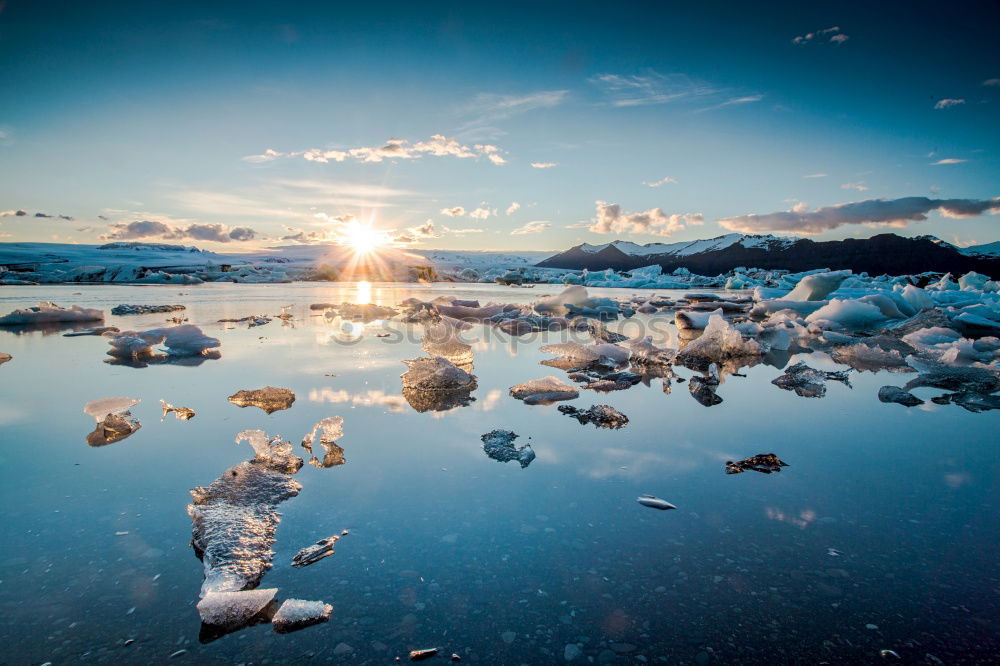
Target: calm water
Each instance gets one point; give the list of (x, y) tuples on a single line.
[(450, 549)]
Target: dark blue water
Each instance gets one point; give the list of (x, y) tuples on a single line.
[(880, 535)]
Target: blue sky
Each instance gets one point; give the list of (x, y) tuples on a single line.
[(153, 122)]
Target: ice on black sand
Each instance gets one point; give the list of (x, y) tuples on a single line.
[(295, 614)]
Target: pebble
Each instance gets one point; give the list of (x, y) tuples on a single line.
[(508, 637), (871, 626), (178, 653), (572, 651)]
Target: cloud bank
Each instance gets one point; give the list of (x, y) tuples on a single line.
[(611, 220), (139, 229), (892, 212), (437, 146)]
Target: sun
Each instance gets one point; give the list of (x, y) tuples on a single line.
[(362, 238)]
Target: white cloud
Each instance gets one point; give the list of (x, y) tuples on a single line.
[(437, 146), (948, 102), (479, 213), (660, 182), (815, 175), (488, 108), (892, 212), (454, 211), (992, 83), (534, 227), (649, 88), (543, 165), (610, 219), (859, 186), (218, 233), (513, 207), (734, 101), (948, 160), (837, 37)]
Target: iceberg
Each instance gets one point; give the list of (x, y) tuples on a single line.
[(850, 314), (690, 319), (720, 342), (818, 286)]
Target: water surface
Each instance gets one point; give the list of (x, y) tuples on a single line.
[(881, 533)]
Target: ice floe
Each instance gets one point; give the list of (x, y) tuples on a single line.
[(182, 413), (126, 309), (184, 344), (316, 552), (654, 502), (329, 430), (50, 313)]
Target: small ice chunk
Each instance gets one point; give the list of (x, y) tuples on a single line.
[(863, 356), (693, 320), (316, 552), (544, 391), (420, 655), (847, 313), (272, 451), (818, 286), (329, 430), (809, 382), (702, 389), (182, 413), (232, 610), (577, 352), (269, 398), (104, 406), (50, 313), (295, 614), (4, 358), (97, 330), (435, 374), (719, 342), (762, 462), (499, 445), (602, 416), (442, 339), (654, 502), (644, 352), (899, 396), (600, 333), (126, 309)]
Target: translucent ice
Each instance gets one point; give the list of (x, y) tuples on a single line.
[(126, 309), (329, 431), (765, 463), (808, 382), (602, 416), (182, 413), (544, 391), (232, 610), (818, 286), (719, 342), (435, 374), (576, 352), (295, 614), (654, 502), (316, 552), (690, 319), (442, 339)]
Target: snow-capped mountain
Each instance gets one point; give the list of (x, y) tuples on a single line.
[(884, 253)]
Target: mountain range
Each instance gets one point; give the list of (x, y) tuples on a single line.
[(884, 253)]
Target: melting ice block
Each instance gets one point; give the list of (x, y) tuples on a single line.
[(329, 431), (435, 374), (232, 610), (269, 398), (295, 614), (544, 391), (602, 416), (720, 342), (114, 421), (808, 382), (50, 313)]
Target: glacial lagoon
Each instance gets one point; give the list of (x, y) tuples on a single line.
[(879, 535)]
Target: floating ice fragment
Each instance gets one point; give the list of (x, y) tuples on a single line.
[(435, 374), (818, 286), (762, 462), (846, 313), (599, 332), (499, 445), (872, 357), (365, 312), (442, 339), (544, 391), (316, 552), (602, 416), (50, 313), (719, 342), (295, 614), (269, 398), (809, 382), (233, 610), (182, 413), (420, 655), (4, 358), (692, 320), (330, 430), (576, 352), (183, 343), (644, 352), (233, 521), (899, 396), (654, 502), (98, 330), (251, 320), (114, 421), (702, 389), (126, 309)]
